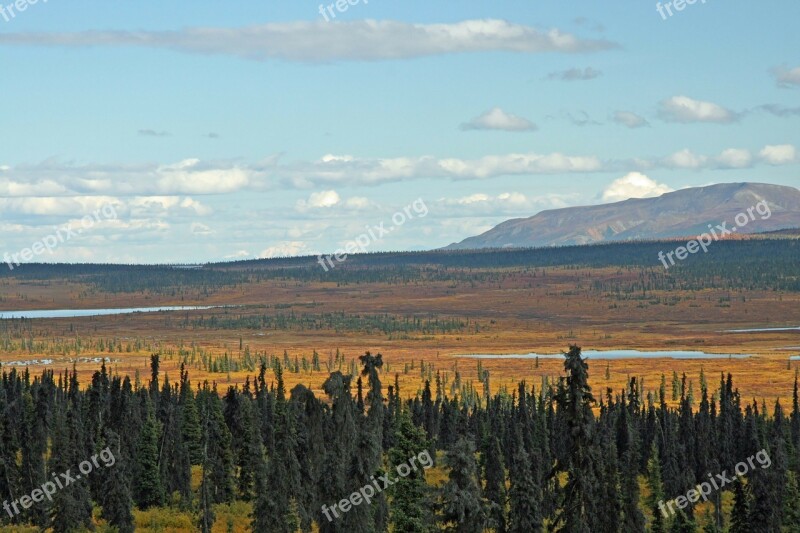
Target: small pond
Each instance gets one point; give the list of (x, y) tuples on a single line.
[(616, 354)]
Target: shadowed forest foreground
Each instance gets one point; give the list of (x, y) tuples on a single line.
[(552, 457)]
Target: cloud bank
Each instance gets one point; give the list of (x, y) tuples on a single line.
[(321, 42)]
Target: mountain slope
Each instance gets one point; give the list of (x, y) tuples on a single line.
[(687, 212)]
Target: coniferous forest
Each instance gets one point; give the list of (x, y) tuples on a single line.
[(553, 457)]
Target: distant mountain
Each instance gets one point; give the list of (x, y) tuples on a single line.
[(684, 213)]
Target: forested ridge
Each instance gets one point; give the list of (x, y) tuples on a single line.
[(556, 457), (756, 264)]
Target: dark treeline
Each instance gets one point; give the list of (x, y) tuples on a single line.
[(366, 323), (765, 264), (554, 458)]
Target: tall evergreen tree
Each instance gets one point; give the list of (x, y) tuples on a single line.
[(370, 456), (655, 499), (34, 435), (632, 517), (191, 430), (578, 509), (494, 489), (463, 509), (72, 505), (147, 488), (740, 515), (261, 517), (282, 467), (411, 500), (524, 513), (117, 501)]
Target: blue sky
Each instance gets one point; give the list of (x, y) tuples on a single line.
[(257, 129)]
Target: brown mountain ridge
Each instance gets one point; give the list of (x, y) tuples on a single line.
[(687, 212)]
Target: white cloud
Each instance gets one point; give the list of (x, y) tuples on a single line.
[(497, 119), (320, 41), (782, 154), (357, 171), (629, 119), (685, 109), (685, 159), (196, 206), (169, 183), (633, 185), (787, 77), (12, 188), (324, 203), (779, 110), (503, 204), (581, 118), (189, 176), (510, 198), (323, 199), (153, 133), (357, 203), (285, 249), (143, 206), (735, 158), (56, 206), (575, 74), (473, 198), (239, 254), (198, 228), (730, 158)]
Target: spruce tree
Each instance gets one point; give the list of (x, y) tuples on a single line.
[(494, 490), (262, 519), (147, 488), (791, 503), (410, 505), (740, 515), (341, 447), (34, 434), (282, 467), (117, 501), (72, 505), (190, 420), (682, 524), (632, 517), (656, 497), (463, 509), (370, 456), (578, 509), (524, 513)]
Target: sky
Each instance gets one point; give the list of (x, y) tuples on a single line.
[(155, 132)]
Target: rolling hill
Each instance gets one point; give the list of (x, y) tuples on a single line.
[(687, 212)]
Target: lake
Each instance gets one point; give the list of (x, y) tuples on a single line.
[(760, 330), (71, 313), (616, 354)]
